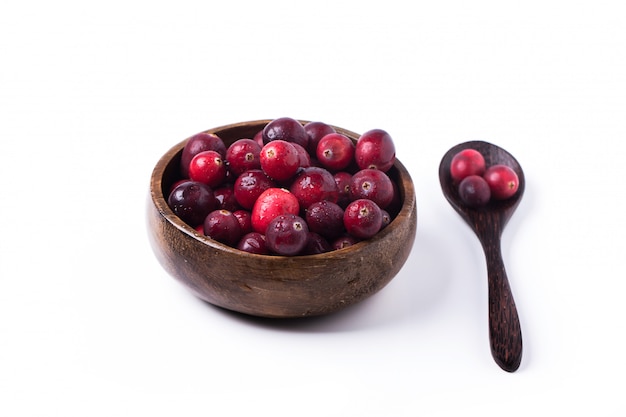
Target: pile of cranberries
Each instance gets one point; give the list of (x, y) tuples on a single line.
[(292, 189), (477, 183)]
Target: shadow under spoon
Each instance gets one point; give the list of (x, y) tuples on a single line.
[(488, 223)]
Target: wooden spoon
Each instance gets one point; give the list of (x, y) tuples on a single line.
[(488, 223)]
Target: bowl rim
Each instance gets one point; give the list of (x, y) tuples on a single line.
[(159, 200)]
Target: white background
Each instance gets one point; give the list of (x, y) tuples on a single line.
[(91, 95)]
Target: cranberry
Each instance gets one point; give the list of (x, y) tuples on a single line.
[(287, 234), (316, 131), (287, 129), (503, 181), (242, 155), (225, 197), (335, 151), (316, 244), (304, 159), (192, 201), (465, 163), (386, 219), (253, 242), (325, 218), (375, 149), (223, 226), (474, 191), (372, 184), (245, 220), (258, 138), (362, 218), (208, 167), (272, 203), (279, 160), (199, 143), (342, 179), (344, 242), (314, 184), (249, 186)]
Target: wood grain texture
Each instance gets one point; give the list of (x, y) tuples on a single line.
[(275, 286), (488, 223)]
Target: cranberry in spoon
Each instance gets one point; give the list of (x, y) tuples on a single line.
[(488, 223)]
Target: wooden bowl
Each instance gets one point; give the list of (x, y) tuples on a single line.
[(275, 286)]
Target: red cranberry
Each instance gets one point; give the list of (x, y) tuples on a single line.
[(342, 179), (242, 155), (465, 163), (245, 220), (316, 131), (279, 160), (208, 167), (314, 184), (335, 151), (304, 159), (192, 201), (362, 218), (375, 149), (325, 218), (253, 242), (272, 203), (249, 186), (503, 181), (223, 226), (386, 219), (225, 197), (344, 242), (374, 185), (199, 143), (474, 191), (287, 234), (316, 244), (258, 138), (287, 129)]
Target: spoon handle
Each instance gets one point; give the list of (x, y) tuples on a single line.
[(505, 333)]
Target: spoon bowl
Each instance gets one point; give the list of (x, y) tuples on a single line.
[(488, 223)]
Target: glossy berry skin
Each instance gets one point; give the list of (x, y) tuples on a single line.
[(335, 151), (375, 149), (223, 226), (326, 218), (316, 244), (304, 159), (503, 181), (287, 129), (343, 242), (199, 143), (372, 184), (314, 184), (279, 160), (225, 196), (362, 218), (272, 203), (249, 186), (192, 201), (316, 131), (287, 235), (474, 191), (208, 167), (253, 242), (342, 179), (243, 155), (465, 163), (245, 220)]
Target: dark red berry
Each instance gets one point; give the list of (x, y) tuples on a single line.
[(245, 220), (192, 201), (375, 149), (335, 151), (326, 218), (287, 234), (342, 179), (225, 196), (242, 155), (314, 184), (465, 163), (253, 242), (474, 191), (316, 244), (503, 181), (249, 186), (287, 129), (223, 226), (343, 242), (316, 131), (362, 218), (372, 184)]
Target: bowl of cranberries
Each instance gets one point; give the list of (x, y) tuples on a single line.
[(282, 218)]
